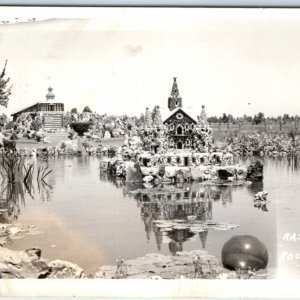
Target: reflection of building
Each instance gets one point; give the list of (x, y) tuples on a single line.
[(52, 111), (179, 202)]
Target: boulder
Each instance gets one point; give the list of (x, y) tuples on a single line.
[(22, 264), (29, 264), (244, 252), (255, 171), (60, 269)]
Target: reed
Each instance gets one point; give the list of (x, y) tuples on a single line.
[(17, 178)]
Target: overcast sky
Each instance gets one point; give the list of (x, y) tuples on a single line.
[(117, 61)]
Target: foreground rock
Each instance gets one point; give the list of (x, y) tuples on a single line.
[(194, 264), (29, 264), (159, 266)]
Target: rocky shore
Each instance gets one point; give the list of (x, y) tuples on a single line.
[(194, 264)]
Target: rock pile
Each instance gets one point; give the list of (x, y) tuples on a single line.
[(29, 264)]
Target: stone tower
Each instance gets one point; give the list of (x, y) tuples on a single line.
[(50, 95), (157, 119), (148, 118), (174, 101), (202, 119)]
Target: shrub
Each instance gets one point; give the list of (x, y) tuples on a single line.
[(81, 127)]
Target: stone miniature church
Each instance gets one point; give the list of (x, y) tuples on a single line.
[(181, 126)]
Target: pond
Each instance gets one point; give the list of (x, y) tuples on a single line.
[(92, 220)]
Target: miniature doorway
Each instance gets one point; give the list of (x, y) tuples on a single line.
[(186, 161), (179, 145)]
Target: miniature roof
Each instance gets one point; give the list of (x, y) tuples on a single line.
[(31, 105), (168, 114), (24, 108)]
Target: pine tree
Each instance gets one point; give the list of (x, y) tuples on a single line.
[(5, 91)]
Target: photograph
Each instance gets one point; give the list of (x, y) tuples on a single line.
[(156, 144)]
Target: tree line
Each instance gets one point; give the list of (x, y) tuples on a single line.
[(259, 118)]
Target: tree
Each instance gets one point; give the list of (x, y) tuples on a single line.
[(213, 119), (286, 118), (87, 109), (5, 91), (225, 118), (74, 110), (259, 118)]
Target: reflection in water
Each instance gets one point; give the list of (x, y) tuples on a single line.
[(17, 181), (180, 202), (100, 210), (183, 201)]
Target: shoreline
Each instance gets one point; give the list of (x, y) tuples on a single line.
[(30, 263)]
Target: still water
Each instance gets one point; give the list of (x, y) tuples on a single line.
[(92, 220)]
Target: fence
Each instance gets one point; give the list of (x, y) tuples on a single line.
[(222, 130)]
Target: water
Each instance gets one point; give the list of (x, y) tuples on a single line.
[(92, 220)]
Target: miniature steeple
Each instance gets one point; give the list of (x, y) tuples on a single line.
[(157, 119), (203, 237), (202, 118), (148, 117), (174, 101), (50, 95)]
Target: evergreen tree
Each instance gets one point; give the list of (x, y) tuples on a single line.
[(5, 91)]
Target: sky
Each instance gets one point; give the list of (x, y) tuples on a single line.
[(122, 60)]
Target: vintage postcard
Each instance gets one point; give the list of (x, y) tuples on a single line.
[(149, 152)]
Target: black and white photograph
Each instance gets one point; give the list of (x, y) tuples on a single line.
[(149, 143)]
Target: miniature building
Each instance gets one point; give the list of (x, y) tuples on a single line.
[(181, 125), (51, 111), (174, 100)]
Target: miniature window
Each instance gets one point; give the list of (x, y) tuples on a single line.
[(179, 130)]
